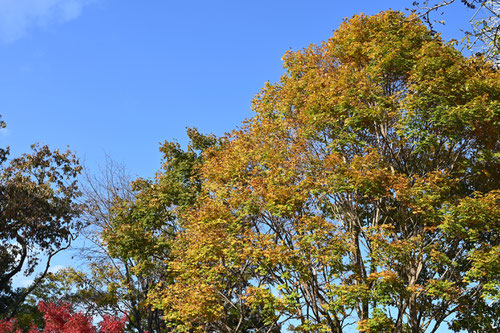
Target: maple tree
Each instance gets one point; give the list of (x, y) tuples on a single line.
[(365, 191), (62, 319)]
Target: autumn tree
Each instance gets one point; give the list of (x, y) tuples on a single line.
[(37, 216), (139, 230), (144, 231), (60, 318), (365, 192)]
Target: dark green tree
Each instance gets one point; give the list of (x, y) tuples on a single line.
[(37, 217)]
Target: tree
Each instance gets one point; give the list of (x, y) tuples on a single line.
[(139, 231), (37, 216), (61, 319), (129, 230), (364, 191), (112, 284), (145, 230)]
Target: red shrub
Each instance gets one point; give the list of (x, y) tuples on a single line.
[(8, 326), (61, 319)]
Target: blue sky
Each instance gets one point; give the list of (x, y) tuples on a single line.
[(118, 77)]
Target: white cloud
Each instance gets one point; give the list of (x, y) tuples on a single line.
[(18, 17)]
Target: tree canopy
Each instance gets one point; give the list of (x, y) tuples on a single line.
[(363, 192)]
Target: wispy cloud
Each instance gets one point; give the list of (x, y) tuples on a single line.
[(18, 17)]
